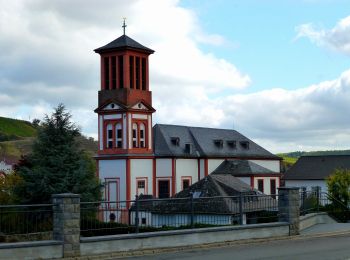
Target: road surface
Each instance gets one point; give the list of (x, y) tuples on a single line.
[(331, 247)]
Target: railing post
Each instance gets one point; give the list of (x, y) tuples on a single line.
[(288, 208), (66, 222), (318, 198), (303, 199), (240, 208), (192, 211), (137, 220)]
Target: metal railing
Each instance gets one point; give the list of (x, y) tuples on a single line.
[(317, 201), (148, 215), (25, 222)]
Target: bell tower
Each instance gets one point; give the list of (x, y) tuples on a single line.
[(124, 100)]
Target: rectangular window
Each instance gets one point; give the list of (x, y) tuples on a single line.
[(141, 184), (142, 144), (110, 134), (142, 133), (114, 72), (134, 133), (134, 144), (119, 144), (131, 70), (163, 189), (110, 144), (143, 221), (185, 184), (106, 67), (143, 76), (273, 187), (120, 71), (138, 72), (261, 185)]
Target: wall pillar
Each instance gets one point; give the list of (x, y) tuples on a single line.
[(66, 222), (288, 207)]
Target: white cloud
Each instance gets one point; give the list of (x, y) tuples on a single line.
[(337, 38)]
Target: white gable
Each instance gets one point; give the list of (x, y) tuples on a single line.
[(140, 106), (112, 106)]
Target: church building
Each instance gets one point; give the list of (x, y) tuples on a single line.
[(134, 157)]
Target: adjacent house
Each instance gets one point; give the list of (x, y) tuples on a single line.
[(311, 171), (6, 166), (216, 201)]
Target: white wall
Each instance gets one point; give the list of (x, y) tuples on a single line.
[(186, 167), (141, 168), (114, 169), (308, 184), (213, 164), (201, 168), (163, 168), (273, 165)]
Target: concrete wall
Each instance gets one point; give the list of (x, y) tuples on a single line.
[(312, 219), (108, 244), (31, 250), (308, 184)]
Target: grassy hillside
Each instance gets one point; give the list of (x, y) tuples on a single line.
[(13, 129), (297, 154)]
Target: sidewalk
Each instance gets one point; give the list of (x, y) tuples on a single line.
[(326, 228)]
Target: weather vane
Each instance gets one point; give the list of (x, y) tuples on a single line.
[(124, 25)]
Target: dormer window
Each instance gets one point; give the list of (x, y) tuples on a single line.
[(188, 148), (231, 144), (175, 141), (219, 143), (244, 145)]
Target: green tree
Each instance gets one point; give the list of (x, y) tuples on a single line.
[(56, 164), (7, 187), (339, 185)]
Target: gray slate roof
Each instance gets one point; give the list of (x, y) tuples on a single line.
[(316, 167), (202, 140), (241, 167), (123, 42)]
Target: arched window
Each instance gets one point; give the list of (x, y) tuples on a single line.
[(134, 135), (119, 135), (109, 136), (142, 135)]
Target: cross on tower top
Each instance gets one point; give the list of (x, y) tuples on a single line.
[(124, 25)]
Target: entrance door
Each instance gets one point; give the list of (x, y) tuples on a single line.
[(163, 189)]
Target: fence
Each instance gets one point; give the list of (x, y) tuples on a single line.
[(148, 214), (316, 201), (25, 222)]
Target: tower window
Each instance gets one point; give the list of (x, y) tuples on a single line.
[(137, 72), (106, 71), (143, 76), (131, 70), (134, 135), (119, 135), (142, 136), (120, 71), (109, 136), (114, 72)]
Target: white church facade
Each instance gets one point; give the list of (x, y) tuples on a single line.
[(134, 157)]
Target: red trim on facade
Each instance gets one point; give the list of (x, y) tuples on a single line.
[(128, 181), (205, 167), (173, 175), (97, 169), (199, 169), (154, 177), (186, 178), (252, 182)]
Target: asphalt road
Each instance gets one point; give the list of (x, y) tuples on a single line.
[(332, 247)]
